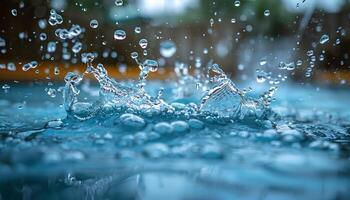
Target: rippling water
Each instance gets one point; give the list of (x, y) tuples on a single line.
[(302, 154)]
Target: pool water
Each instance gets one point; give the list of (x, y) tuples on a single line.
[(303, 155)]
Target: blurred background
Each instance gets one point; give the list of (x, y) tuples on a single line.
[(248, 38)]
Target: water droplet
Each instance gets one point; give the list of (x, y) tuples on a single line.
[(119, 35), (134, 55), (263, 61), (233, 20), (237, 3), (167, 48), (14, 12), (137, 29), (143, 43), (324, 39), (118, 2), (77, 47), (94, 23), (51, 47), (260, 78), (152, 65), (267, 13), (43, 36)]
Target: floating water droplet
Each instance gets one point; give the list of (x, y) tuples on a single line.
[(237, 3), (299, 63), (324, 39), (94, 23), (11, 66), (2, 42), (263, 61), (167, 48), (51, 47), (260, 78), (43, 36), (77, 47), (118, 2), (267, 13), (290, 66), (14, 12), (137, 29), (143, 43), (152, 65), (30, 65), (119, 35), (310, 53), (233, 20), (55, 18), (134, 55)]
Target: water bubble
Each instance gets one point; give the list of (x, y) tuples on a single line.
[(163, 128), (152, 65), (143, 43), (118, 2), (132, 121), (94, 23), (43, 36), (324, 39), (179, 126), (119, 35), (233, 20), (77, 47), (263, 61), (167, 48), (267, 13), (237, 3), (137, 29), (195, 124), (14, 12)]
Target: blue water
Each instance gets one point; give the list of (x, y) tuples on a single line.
[(302, 154)]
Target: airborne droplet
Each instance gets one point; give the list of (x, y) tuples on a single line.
[(119, 35)]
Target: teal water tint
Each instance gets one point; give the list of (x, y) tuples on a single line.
[(303, 153)]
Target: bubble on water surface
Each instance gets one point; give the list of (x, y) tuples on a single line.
[(237, 3), (324, 39), (119, 35), (163, 128), (132, 121), (167, 48), (94, 23)]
